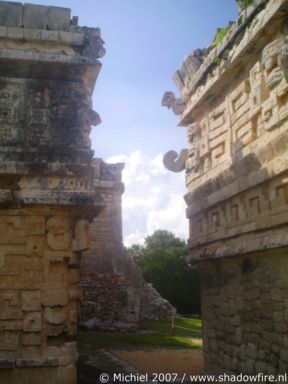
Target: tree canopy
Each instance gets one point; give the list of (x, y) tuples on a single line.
[(162, 261)]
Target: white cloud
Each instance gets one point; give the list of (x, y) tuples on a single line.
[(170, 217), (153, 198), (157, 167), (134, 238)]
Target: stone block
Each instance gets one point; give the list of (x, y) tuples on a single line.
[(281, 327), (49, 35), (36, 16), (261, 354), (278, 316), (15, 33), (55, 297), (275, 348), (3, 31), (35, 245), (11, 266), (32, 34), (276, 294), (65, 37), (33, 264), (11, 14), (31, 301), (10, 308), (35, 225), (11, 325), (55, 315), (59, 18), (9, 341), (32, 322), (29, 353), (66, 375), (31, 339)]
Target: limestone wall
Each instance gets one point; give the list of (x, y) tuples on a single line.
[(234, 103), (245, 313), (39, 295), (48, 69)]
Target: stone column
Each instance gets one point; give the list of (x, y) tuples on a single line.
[(236, 114), (48, 68)]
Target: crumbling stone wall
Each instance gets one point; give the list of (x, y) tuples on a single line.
[(106, 302), (119, 300), (110, 299), (115, 295), (234, 104), (48, 68)]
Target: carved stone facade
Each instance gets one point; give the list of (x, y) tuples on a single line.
[(48, 68), (236, 114)]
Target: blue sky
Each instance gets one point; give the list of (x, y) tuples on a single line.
[(146, 42)]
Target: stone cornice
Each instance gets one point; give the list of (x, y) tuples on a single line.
[(234, 50)]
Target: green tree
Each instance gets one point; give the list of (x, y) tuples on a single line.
[(162, 261)]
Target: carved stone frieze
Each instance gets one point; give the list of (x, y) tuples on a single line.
[(243, 120), (48, 71), (236, 117)]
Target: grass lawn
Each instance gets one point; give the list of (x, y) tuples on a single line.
[(183, 327), (151, 334)]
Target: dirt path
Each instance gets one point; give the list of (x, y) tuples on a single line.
[(164, 361)]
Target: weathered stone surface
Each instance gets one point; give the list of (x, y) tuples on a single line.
[(115, 295), (55, 297), (82, 239), (47, 197), (31, 301), (11, 14), (32, 322), (175, 163), (236, 115), (170, 101), (57, 315), (31, 339)]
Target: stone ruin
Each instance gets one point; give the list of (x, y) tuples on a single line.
[(115, 295), (51, 188), (234, 103), (49, 66)]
